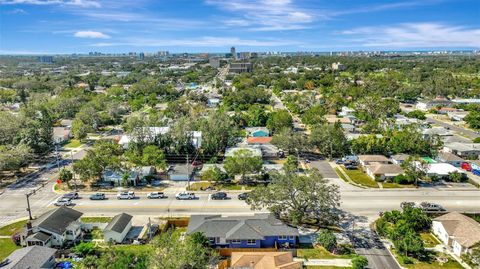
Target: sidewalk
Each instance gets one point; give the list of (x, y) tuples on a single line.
[(325, 262)]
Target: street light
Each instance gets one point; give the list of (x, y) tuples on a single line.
[(28, 204)]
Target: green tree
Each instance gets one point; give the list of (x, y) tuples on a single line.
[(171, 253), (291, 164), (214, 174), (299, 199), (279, 120), (243, 162), (359, 262), (473, 119), (327, 239), (104, 154), (14, 157), (85, 248), (417, 114), (329, 140), (415, 169), (314, 115), (457, 177), (79, 129), (153, 156), (289, 140), (65, 176)]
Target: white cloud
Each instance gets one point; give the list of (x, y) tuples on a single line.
[(77, 3), (265, 15), (415, 35), (90, 34), (17, 11), (197, 42)]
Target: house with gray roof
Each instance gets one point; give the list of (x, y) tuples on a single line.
[(34, 257), (257, 231), (53, 229), (118, 228)]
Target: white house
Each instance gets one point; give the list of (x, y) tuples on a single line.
[(441, 170), (53, 229), (383, 171), (118, 228), (365, 160), (457, 231)]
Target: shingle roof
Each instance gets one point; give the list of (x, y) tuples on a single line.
[(400, 157), (57, 220), (382, 169), (40, 236), (239, 227), (259, 140), (373, 158), (264, 260), (463, 229), (29, 257), (118, 223), (449, 157)]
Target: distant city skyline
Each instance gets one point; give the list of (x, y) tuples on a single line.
[(214, 26)]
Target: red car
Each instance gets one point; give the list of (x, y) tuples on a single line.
[(197, 163), (466, 166)]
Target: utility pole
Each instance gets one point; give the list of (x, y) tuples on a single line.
[(28, 204), (56, 156), (188, 173), (73, 173)]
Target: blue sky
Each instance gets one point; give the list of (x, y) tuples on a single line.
[(68, 26)]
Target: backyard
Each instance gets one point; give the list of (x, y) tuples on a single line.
[(433, 262), (318, 252)]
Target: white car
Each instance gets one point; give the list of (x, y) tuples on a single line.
[(156, 195), (63, 202), (125, 195), (185, 196)]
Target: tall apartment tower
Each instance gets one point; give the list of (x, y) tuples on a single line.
[(233, 52)]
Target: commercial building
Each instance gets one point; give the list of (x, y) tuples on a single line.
[(233, 52), (240, 67)]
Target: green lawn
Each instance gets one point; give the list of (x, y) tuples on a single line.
[(391, 185), (359, 177), (326, 267), (319, 252), (6, 247), (433, 264), (429, 240), (228, 186), (12, 228), (73, 143), (97, 234), (96, 219), (340, 174)]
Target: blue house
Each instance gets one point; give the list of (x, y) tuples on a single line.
[(257, 231)]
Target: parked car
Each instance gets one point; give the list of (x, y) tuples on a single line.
[(404, 205), (431, 207), (156, 195), (307, 161), (219, 196), (185, 196), (63, 202), (97, 196), (71, 195), (339, 161), (350, 166), (197, 163), (466, 166), (243, 196), (124, 195)]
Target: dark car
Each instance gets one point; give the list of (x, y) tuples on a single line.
[(219, 196), (339, 161), (243, 196), (350, 166), (71, 195), (97, 196)]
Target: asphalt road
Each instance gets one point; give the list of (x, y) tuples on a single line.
[(462, 131)]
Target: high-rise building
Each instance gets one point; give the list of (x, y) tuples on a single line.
[(141, 56), (233, 52), (214, 62), (45, 59)]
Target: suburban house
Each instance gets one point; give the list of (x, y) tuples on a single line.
[(457, 231), (53, 229), (115, 177), (399, 158), (457, 115), (441, 170), (257, 131), (147, 134), (213, 102), (264, 260), (334, 119), (256, 152), (450, 158), (464, 150), (61, 134), (259, 140), (436, 132), (365, 160), (181, 172), (118, 228), (258, 231), (383, 171), (34, 257)]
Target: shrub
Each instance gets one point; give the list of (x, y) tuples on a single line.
[(84, 248), (345, 249), (401, 179), (406, 260), (327, 239), (359, 262)]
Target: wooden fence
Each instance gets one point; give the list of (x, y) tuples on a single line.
[(178, 223)]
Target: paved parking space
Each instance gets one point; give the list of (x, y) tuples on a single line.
[(324, 168)]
